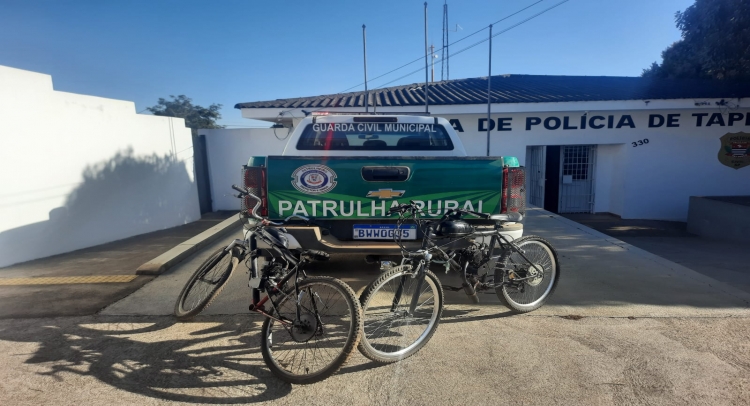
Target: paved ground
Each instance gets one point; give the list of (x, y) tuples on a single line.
[(725, 261), (601, 276), (107, 272), (650, 332), (479, 358)]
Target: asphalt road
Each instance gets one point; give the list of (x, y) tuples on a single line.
[(645, 331)]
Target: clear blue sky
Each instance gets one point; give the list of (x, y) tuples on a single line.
[(241, 51)]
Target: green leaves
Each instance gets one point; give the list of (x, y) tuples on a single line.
[(715, 42), (182, 106)]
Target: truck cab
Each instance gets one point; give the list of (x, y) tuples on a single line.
[(383, 136)]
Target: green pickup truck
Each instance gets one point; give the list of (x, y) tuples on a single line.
[(347, 171)]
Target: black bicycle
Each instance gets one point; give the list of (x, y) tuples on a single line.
[(312, 325), (402, 307)]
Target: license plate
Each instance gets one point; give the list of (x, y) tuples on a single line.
[(384, 231)]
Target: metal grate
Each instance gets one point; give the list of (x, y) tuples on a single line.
[(514, 190), (535, 175), (577, 181)]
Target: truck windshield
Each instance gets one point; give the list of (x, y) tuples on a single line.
[(375, 137)]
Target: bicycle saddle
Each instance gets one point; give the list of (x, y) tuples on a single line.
[(512, 217)]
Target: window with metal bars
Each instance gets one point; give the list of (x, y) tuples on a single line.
[(576, 162)]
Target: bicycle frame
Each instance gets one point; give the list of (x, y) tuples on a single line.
[(419, 273), (259, 282), (428, 244)]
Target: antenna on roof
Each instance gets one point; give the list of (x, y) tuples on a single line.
[(444, 61), (445, 68), (426, 70), (489, 98), (364, 46)]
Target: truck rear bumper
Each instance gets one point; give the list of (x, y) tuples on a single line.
[(313, 238)]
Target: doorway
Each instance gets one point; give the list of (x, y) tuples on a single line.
[(561, 177), (200, 160), (535, 175), (577, 180)]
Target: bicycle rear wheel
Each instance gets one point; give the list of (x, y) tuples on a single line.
[(390, 332), (527, 284), (321, 339), (205, 284)]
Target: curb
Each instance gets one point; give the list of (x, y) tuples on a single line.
[(174, 256)]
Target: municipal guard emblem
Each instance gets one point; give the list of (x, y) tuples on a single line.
[(735, 150), (314, 179)]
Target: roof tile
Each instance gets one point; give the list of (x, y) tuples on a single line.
[(524, 89)]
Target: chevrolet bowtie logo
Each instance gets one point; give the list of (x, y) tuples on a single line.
[(385, 193)]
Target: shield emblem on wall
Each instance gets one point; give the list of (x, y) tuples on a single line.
[(735, 150)]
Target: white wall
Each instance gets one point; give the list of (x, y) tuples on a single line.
[(78, 171), (228, 150), (650, 181), (608, 178)]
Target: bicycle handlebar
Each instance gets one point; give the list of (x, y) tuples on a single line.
[(415, 208), (244, 193), (237, 188), (401, 208)]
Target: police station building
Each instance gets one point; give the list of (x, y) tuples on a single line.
[(635, 147)]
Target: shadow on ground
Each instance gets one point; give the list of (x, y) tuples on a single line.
[(215, 361)]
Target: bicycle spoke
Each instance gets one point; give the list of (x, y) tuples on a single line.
[(332, 315), (528, 281), (388, 326), (203, 286)]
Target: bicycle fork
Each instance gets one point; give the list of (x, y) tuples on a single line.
[(420, 275)]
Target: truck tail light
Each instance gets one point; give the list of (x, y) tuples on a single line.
[(254, 179), (514, 190)]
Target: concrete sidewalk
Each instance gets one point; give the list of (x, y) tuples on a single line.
[(600, 276), (84, 281), (725, 261)]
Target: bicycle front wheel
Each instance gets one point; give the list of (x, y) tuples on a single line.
[(526, 285), (205, 284), (391, 331), (312, 346)]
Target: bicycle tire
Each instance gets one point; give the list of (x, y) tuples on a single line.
[(379, 347), (544, 258), (223, 270), (276, 357)]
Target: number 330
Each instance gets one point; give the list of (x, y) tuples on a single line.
[(640, 142)]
